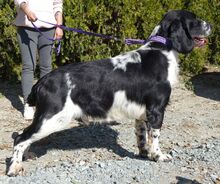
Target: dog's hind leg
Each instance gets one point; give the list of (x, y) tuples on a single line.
[(141, 135), (32, 134), (40, 128)]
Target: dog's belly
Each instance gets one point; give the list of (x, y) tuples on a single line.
[(122, 109)]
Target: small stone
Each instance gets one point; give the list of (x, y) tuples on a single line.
[(101, 165), (82, 162), (135, 178), (174, 152), (183, 169)]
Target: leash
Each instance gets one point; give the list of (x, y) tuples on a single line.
[(128, 41), (58, 41)]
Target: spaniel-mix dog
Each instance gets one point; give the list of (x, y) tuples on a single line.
[(135, 85)]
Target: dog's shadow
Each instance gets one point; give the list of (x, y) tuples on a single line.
[(94, 135), (91, 136), (207, 85)]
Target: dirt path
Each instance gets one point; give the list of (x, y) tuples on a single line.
[(191, 132)]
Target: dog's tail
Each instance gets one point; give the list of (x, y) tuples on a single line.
[(32, 98)]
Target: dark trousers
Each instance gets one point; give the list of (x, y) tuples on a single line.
[(33, 44)]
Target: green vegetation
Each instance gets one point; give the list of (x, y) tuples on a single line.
[(1, 95), (120, 18)]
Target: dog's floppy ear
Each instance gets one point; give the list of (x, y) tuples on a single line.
[(181, 40)]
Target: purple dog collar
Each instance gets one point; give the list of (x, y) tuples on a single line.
[(160, 39)]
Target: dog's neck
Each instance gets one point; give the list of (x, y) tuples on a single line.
[(157, 38)]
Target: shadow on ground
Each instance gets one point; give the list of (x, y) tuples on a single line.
[(12, 93), (182, 180), (91, 136), (207, 85)]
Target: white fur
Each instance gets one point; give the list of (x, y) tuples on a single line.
[(206, 27), (59, 121), (121, 61), (154, 150), (122, 108), (69, 82), (173, 69), (154, 32), (20, 148)]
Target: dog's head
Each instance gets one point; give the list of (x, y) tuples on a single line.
[(184, 30)]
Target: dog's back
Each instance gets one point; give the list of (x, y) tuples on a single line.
[(126, 83)]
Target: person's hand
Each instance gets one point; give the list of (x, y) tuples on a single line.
[(30, 15), (58, 33)]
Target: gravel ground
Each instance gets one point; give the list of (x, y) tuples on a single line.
[(106, 153)]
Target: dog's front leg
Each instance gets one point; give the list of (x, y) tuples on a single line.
[(153, 148), (153, 128)]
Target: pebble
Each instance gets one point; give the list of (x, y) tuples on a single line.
[(82, 162)]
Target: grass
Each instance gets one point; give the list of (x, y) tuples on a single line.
[(1, 95)]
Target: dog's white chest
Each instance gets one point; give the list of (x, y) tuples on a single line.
[(173, 69), (123, 109)]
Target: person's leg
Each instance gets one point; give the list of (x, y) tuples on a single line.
[(27, 40), (45, 51)]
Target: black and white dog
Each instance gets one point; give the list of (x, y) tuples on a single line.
[(135, 85)]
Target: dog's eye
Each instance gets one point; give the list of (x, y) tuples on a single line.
[(193, 24)]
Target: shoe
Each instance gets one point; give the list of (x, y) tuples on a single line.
[(28, 112)]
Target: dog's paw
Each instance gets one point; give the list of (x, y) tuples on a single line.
[(164, 157), (159, 157), (15, 169)]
